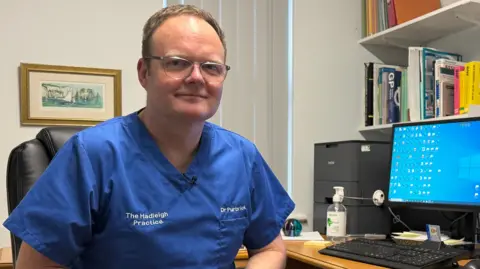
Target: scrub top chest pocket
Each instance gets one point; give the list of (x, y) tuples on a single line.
[(233, 223)]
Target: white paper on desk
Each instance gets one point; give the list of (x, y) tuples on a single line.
[(305, 236), (415, 236)]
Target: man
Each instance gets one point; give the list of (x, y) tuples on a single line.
[(159, 188)]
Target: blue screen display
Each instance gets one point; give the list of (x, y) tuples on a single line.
[(436, 163)]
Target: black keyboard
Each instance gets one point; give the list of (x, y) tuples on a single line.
[(392, 255)]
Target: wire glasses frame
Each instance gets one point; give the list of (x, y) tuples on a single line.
[(180, 68)]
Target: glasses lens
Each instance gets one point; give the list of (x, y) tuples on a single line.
[(213, 69), (177, 67)]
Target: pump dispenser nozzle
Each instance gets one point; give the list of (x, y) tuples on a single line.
[(338, 196)]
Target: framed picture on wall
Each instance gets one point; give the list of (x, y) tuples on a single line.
[(68, 95)]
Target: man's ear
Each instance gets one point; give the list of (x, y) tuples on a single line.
[(142, 71)]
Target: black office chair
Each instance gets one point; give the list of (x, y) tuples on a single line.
[(27, 162)]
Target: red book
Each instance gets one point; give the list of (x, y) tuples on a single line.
[(392, 17)]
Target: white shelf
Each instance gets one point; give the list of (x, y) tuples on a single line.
[(387, 128), (422, 30), (376, 128)]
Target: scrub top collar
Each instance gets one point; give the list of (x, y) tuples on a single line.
[(181, 181)]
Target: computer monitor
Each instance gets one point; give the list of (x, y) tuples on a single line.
[(436, 164)]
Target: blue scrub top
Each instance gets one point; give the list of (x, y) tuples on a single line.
[(111, 199)]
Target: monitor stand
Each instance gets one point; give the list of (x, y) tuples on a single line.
[(470, 227)]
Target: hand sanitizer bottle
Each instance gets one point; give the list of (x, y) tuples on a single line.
[(337, 218)]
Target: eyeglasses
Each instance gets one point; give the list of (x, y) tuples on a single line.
[(180, 68)]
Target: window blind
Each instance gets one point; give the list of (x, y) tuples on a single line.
[(256, 92)]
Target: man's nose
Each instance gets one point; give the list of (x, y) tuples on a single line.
[(196, 74)]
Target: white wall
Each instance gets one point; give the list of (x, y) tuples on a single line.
[(65, 35), (465, 43), (327, 83)]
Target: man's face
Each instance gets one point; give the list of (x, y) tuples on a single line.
[(194, 97)]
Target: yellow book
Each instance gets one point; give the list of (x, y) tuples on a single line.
[(314, 243), (463, 92), (475, 83), (468, 91)]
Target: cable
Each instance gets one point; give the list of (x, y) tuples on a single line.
[(378, 200), (396, 219), (457, 219), (357, 198), (445, 216)]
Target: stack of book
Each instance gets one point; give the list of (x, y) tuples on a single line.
[(466, 86), (379, 15), (435, 84)]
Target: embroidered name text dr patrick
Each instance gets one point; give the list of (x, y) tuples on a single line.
[(233, 209)]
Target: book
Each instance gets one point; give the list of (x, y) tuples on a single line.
[(427, 85), (435, 84), (380, 15), (383, 93), (444, 75)]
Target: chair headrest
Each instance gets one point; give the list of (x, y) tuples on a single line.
[(53, 138)]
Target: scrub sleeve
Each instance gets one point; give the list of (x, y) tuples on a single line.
[(271, 205)]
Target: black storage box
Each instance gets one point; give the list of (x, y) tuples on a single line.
[(361, 167)]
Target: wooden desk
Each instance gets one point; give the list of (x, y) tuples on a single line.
[(6, 261), (241, 259), (299, 257), (307, 257)]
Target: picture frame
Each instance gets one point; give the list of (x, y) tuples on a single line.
[(59, 95)]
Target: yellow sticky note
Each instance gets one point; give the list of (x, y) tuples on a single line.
[(317, 243)]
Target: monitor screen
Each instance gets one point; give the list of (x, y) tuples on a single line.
[(436, 163)]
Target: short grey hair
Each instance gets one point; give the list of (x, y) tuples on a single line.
[(162, 15)]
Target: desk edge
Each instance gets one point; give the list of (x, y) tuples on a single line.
[(306, 259)]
